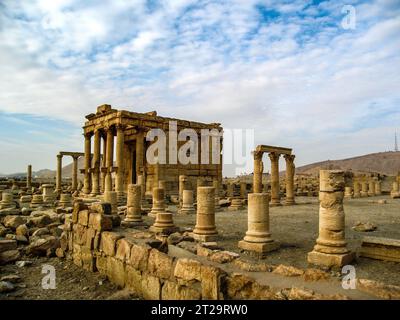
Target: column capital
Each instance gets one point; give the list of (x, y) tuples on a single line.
[(289, 157), (258, 155), (274, 156), (59, 156), (88, 135), (120, 126)]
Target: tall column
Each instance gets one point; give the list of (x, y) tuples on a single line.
[(216, 187), (139, 153), (205, 229), (356, 186), (289, 179), (96, 164), (258, 239), (364, 188), (29, 178), (371, 188), (86, 179), (119, 180), (133, 211), (59, 173), (331, 249), (182, 186), (75, 173), (378, 188), (111, 197), (109, 159), (275, 198), (103, 164), (258, 172), (395, 190)]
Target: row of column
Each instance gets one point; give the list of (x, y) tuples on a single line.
[(290, 170), (74, 173)]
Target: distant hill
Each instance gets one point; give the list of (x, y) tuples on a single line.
[(387, 163)]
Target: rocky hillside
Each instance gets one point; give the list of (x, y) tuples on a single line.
[(383, 162)]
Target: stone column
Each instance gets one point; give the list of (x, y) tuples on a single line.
[(59, 174), (139, 153), (348, 192), (378, 188), (164, 223), (275, 197), (96, 164), (49, 196), (357, 193), (65, 200), (187, 203), (133, 211), (331, 250), (289, 179), (75, 173), (182, 186), (111, 197), (229, 191), (29, 178), (395, 190), (158, 202), (258, 172), (364, 188), (258, 239), (86, 179), (119, 180), (141, 181), (243, 190), (371, 188), (205, 229), (216, 187), (109, 159), (103, 165)]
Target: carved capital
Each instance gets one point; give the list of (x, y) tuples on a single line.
[(289, 157), (258, 155), (274, 156)]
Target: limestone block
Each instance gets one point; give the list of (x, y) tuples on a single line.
[(6, 245), (9, 256), (116, 271), (88, 260), (83, 217), (133, 279), (100, 222), (108, 242), (123, 252), (174, 291), (188, 269), (13, 222), (211, 283), (101, 207), (380, 249), (160, 264), (139, 256), (151, 287)]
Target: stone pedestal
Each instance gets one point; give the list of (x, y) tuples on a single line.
[(205, 229), (133, 211), (187, 204), (111, 198), (37, 201), (7, 201), (25, 201), (258, 239), (331, 250), (49, 196), (236, 204), (158, 202), (65, 200), (164, 224)]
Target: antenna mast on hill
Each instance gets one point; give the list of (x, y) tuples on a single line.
[(396, 147)]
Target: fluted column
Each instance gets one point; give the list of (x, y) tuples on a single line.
[(109, 159), (258, 172), (86, 180), (289, 179), (103, 164), (275, 197), (96, 164), (59, 173), (75, 173)]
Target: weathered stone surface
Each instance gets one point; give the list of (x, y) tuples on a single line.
[(174, 291), (123, 251), (40, 221), (43, 246), (6, 245), (100, 222), (378, 289), (288, 271), (101, 208), (223, 256), (13, 278), (6, 286), (109, 241), (364, 227), (88, 260), (151, 287), (9, 256), (160, 264), (211, 283), (83, 217), (315, 275), (116, 271), (13, 222), (41, 232), (22, 230), (251, 266), (139, 256), (188, 269), (380, 248)]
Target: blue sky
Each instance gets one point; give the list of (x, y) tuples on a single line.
[(287, 69)]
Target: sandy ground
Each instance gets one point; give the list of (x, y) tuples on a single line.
[(296, 227)]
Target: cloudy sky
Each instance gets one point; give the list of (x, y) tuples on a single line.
[(296, 72)]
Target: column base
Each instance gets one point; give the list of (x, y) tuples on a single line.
[(275, 204), (364, 194), (165, 230), (131, 224), (289, 203), (259, 247), (204, 237), (186, 211), (330, 260)]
